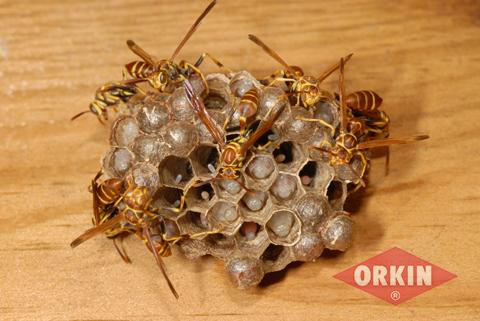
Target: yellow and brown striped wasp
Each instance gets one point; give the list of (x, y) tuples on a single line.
[(307, 88), (164, 74), (105, 197), (347, 146), (109, 95), (118, 210), (137, 214)]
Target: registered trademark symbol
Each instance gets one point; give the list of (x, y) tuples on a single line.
[(395, 295)]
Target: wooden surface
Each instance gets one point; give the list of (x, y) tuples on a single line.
[(423, 57)]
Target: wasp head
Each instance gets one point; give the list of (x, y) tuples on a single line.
[(229, 173)]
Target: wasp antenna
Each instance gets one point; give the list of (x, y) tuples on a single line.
[(193, 28), (79, 114)]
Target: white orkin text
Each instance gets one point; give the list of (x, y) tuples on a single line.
[(393, 275)]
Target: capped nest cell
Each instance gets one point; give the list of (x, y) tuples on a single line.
[(286, 205)]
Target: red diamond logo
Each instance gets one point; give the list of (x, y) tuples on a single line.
[(395, 276)]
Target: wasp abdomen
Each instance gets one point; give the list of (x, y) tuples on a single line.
[(364, 100)]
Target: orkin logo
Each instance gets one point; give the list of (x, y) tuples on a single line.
[(395, 276)]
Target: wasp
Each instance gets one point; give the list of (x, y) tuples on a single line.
[(364, 105), (347, 146), (105, 198), (109, 95), (139, 217), (234, 152), (165, 73), (306, 88), (137, 214)]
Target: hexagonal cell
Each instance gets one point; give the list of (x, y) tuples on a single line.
[(337, 232), (144, 174), (204, 160), (271, 100), (261, 171), (181, 136), (225, 217), (255, 200), (228, 189), (286, 189), (245, 272), (242, 82), (249, 231), (154, 114), (200, 196), (117, 162), (289, 156), (180, 106), (312, 210), (316, 175), (252, 239), (326, 112), (255, 205), (336, 194), (219, 96), (175, 171), (193, 223), (168, 201), (215, 100), (275, 258), (296, 128), (146, 149), (124, 131), (220, 245), (284, 227), (308, 248)]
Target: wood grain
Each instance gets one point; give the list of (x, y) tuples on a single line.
[(423, 57)]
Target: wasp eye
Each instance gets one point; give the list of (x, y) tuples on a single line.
[(162, 77)]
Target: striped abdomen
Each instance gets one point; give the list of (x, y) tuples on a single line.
[(248, 106), (139, 69), (364, 100), (112, 93), (109, 95), (109, 191)]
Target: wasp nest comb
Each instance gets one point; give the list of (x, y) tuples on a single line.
[(286, 203)]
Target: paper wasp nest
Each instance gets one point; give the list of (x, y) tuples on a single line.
[(292, 206)]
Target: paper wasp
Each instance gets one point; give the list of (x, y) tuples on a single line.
[(110, 95), (346, 146), (105, 197), (136, 216), (164, 74), (307, 88), (136, 213)]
